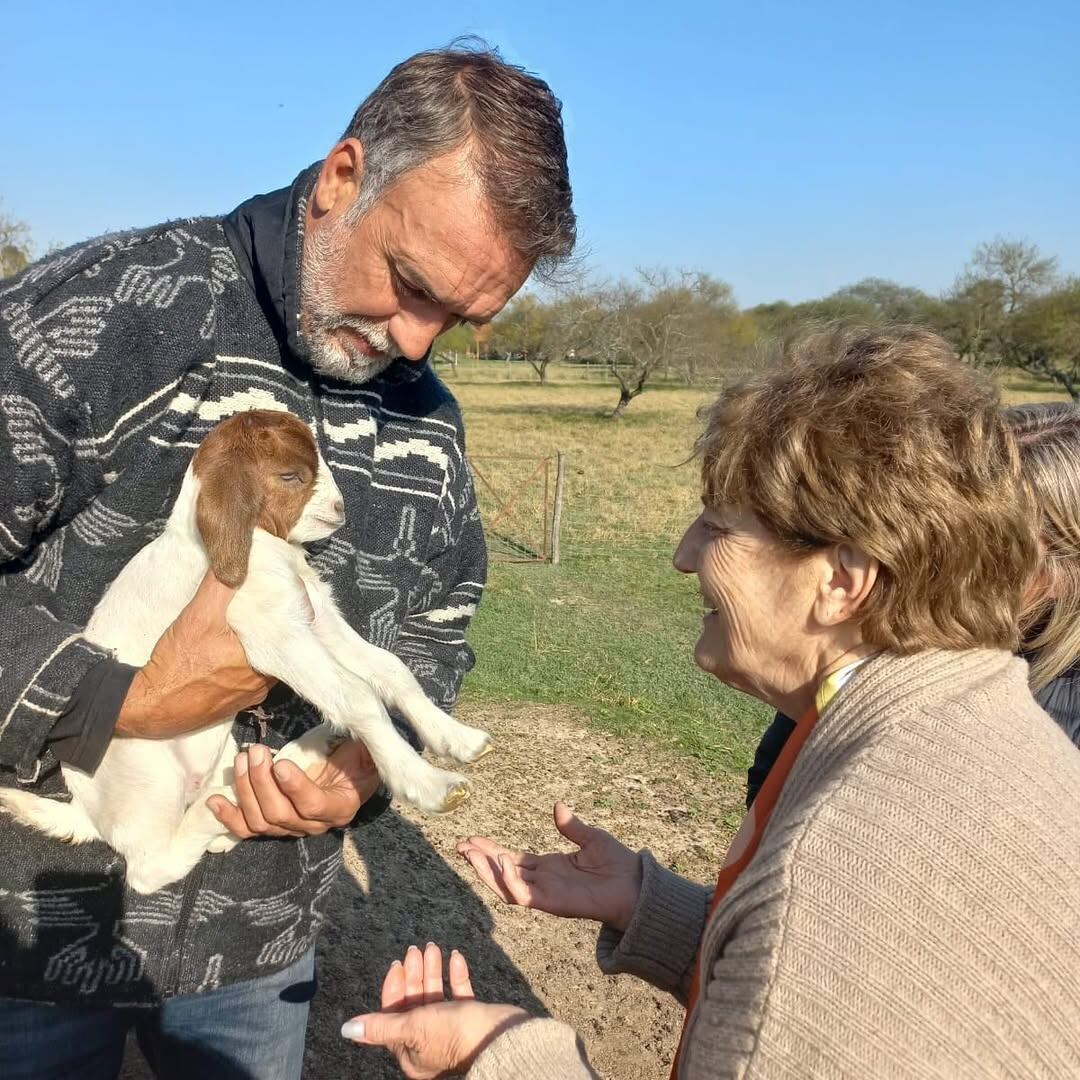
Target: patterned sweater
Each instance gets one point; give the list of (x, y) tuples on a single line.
[(116, 358), (913, 909)]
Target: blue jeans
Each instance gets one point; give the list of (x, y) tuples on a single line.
[(248, 1031)]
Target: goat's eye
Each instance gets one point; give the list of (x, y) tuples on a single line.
[(289, 477)]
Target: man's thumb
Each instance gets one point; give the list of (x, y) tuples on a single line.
[(375, 1029)]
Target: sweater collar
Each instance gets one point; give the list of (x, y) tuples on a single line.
[(266, 234)]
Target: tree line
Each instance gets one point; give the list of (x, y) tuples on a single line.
[(1010, 306)]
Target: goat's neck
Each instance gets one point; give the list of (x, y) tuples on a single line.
[(182, 523)]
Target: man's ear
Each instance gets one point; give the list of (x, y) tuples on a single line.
[(848, 578), (339, 179)]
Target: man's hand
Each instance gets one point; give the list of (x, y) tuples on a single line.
[(429, 1036), (281, 800), (601, 881), (197, 674)]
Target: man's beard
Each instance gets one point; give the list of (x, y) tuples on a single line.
[(333, 353)]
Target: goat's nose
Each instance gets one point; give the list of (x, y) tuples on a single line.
[(339, 507)]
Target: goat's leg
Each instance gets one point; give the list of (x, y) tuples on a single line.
[(396, 685), (61, 820), (197, 832), (293, 654)]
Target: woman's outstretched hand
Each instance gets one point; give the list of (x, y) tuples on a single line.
[(601, 880), (430, 1036)]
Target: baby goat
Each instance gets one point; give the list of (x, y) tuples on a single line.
[(256, 489)]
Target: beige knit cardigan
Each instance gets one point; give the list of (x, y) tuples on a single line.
[(913, 909)]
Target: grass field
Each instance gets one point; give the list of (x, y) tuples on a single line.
[(611, 629)]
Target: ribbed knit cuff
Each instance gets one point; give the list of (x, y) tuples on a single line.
[(662, 939), (534, 1050)]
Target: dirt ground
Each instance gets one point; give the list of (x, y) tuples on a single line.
[(404, 883)]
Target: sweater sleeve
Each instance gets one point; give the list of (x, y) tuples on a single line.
[(51, 472), (661, 942), (535, 1050), (432, 639)]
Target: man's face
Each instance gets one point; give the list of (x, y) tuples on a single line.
[(423, 258)]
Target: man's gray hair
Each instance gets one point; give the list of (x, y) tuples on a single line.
[(440, 100)]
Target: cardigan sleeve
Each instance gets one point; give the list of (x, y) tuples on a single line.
[(662, 940), (535, 1050)]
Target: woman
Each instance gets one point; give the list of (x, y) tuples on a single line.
[(1048, 435), (1049, 439), (903, 898)]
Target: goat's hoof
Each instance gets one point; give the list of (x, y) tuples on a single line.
[(488, 748), (458, 794)]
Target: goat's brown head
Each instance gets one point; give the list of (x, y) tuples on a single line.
[(260, 469)]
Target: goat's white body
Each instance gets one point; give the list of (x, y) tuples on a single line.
[(147, 798)]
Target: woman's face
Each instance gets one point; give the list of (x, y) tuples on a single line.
[(758, 633)]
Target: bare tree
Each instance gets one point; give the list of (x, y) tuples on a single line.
[(15, 249), (661, 324)]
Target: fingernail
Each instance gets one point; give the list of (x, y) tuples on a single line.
[(257, 754), (241, 764), (414, 948), (281, 770), (396, 963), (430, 945), (352, 1029)]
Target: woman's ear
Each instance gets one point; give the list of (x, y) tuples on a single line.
[(848, 578), (230, 500)]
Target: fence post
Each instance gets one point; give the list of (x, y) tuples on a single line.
[(556, 515)]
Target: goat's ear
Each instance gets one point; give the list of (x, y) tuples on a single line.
[(230, 500)]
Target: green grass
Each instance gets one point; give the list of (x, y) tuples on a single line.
[(613, 637)]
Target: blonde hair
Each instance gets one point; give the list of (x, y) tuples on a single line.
[(883, 439), (1048, 436)]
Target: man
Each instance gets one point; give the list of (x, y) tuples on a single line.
[(116, 357)]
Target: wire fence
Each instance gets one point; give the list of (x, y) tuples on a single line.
[(553, 508)]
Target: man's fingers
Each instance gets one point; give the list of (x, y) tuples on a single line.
[(267, 810), (460, 982), (393, 987), (433, 980), (306, 799), (229, 816)]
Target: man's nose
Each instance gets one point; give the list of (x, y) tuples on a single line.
[(415, 331)]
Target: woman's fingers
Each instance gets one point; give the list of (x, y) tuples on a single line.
[(491, 849), (433, 980), (572, 827), (488, 871), (393, 987), (414, 977), (512, 881), (460, 982)]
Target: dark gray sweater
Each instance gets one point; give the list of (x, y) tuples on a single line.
[(116, 358)]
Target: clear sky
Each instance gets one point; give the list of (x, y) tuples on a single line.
[(788, 148)]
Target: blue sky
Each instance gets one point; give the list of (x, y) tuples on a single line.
[(788, 148)]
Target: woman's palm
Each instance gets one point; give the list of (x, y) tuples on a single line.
[(600, 881)]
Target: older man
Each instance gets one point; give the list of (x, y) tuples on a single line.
[(447, 190)]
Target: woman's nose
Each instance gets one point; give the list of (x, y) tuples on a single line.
[(686, 554)]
